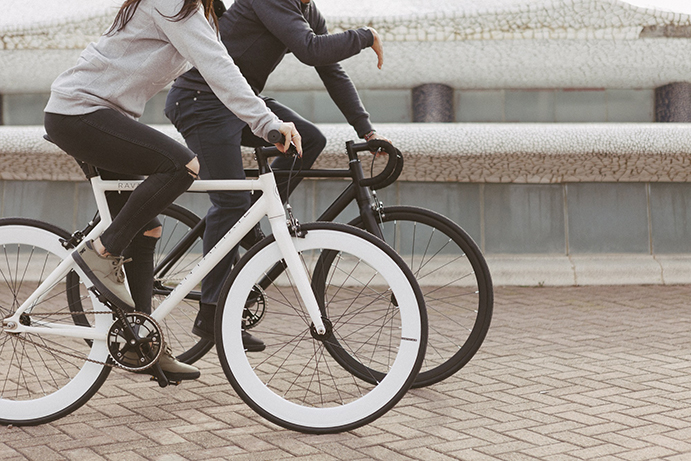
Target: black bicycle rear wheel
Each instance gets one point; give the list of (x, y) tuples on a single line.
[(177, 223), (172, 261)]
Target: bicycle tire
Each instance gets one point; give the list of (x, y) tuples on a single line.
[(293, 382), (455, 281), (51, 376)]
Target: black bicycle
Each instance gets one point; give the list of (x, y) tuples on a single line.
[(446, 262)]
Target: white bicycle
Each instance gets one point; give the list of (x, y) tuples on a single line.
[(330, 325)]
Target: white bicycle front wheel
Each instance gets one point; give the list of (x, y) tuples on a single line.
[(373, 309), (44, 377)]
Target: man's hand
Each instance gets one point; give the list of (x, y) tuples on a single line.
[(291, 134), (378, 48), (375, 135)]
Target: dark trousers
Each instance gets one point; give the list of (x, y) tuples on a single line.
[(123, 148), (215, 134)]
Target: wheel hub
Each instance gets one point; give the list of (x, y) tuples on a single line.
[(329, 330)]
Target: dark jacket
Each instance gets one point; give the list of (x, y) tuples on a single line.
[(259, 33)]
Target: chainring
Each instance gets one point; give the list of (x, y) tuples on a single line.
[(255, 308), (135, 341)]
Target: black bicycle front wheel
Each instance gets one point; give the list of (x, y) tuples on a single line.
[(455, 282)]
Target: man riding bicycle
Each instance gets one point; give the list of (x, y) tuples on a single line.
[(258, 34)]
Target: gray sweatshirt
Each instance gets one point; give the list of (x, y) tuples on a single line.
[(124, 70)]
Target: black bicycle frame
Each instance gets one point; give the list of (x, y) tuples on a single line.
[(360, 190)]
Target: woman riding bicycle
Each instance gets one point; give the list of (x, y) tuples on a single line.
[(92, 115)]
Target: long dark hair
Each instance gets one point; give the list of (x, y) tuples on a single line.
[(128, 9)]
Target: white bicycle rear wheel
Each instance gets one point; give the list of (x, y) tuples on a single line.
[(370, 301), (44, 377)]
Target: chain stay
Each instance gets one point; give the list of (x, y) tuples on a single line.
[(111, 363)]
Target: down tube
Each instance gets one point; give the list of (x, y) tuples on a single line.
[(213, 257)]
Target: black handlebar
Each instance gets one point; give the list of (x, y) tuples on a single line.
[(392, 170), (393, 167), (276, 137), (386, 182)]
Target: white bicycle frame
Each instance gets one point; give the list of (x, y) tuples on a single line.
[(269, 204)]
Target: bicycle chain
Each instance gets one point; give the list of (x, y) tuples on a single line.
[(114, 364)]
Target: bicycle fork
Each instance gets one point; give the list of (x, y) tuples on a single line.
[(297, 271)]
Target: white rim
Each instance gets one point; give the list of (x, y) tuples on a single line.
[(356, 410), (26, 410)]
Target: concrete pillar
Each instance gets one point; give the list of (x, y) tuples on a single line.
[(433, 103), (673, 102), (2, 111)]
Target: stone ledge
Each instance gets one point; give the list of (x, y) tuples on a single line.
[(615, 269), (453, 152)]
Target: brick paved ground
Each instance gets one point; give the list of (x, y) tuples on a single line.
[(565, 374)]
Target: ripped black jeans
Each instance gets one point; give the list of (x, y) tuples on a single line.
[(121, 145), (123, 148)]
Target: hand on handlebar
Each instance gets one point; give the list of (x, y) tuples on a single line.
[(378, 48), (291, 135), (378, 152)]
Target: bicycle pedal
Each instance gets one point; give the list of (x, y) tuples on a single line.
[(172, 383)]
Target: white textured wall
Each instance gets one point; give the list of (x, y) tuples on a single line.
[(464, 43), (450, 152)]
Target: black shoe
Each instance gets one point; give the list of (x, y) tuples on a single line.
[(252, 237), (204, 328), (204, 323), (252, 343)]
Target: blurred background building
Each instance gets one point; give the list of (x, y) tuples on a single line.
[(539, 126)]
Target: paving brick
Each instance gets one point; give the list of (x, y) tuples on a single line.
[(548, 450), (338, 451), (226, 452), (565, 374), (126, 456), (7, 452), (472, 455), (649, 453), (29, 442), (40, 453), (379, 452), (81, 454), (662, 440), (428, 454)]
